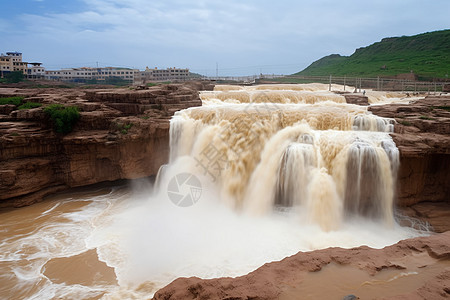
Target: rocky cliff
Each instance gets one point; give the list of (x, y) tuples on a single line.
[(122, 134), (422, 135)]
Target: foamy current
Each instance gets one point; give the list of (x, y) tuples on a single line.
[(280, 169)]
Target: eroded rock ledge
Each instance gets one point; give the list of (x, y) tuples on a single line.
[(122, 134), (422, 135), (283, 279)]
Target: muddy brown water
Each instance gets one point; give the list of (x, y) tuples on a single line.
[(42, 251), (43, 256)]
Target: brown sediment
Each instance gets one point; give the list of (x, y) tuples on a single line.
[(337, 281), (352, 271)]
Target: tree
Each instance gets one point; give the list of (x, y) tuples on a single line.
[(64, 118), (116, 81), (14, 77)]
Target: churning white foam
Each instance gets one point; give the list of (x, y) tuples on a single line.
[(282, 169)]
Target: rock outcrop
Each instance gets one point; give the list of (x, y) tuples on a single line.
[(356, 99), (426, 257), (122, 134), (422, 135)]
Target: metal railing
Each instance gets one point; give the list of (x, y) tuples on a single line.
[(351, 83), (378, 84)]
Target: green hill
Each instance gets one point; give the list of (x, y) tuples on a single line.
[(427, 55)]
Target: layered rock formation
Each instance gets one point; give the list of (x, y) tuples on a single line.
[(356, 99), (122, 134), (411, 269), (422, 135)]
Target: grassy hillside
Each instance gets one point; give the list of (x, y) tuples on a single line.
[(427, 55)]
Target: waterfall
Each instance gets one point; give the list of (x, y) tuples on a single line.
[(284, 147), (294, 174), (255, 175)]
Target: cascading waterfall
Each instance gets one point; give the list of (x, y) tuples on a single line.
[(369, 181), (294, 173), (282, 169), (280, 148)]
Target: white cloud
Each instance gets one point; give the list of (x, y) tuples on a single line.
[(234, 33)]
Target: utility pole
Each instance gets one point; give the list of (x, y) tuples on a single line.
[(217, 70)]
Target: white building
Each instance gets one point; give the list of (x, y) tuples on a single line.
[(170, 74), (12, 62), (98, 74), (36, 71)]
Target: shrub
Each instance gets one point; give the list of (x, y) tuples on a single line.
[(406, 123), (92, 81), (14, 77), (11, 100), (123, 128), (30, 105), (117, 81), (63, 118), (444, 107)]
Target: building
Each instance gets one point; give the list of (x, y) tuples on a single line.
[(87, 74), (12, 62), (132, 75), (36, 71), (170, 74)]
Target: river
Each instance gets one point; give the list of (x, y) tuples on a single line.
[(255, 174)]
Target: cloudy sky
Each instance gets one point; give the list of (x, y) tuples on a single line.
[(243, 37)]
